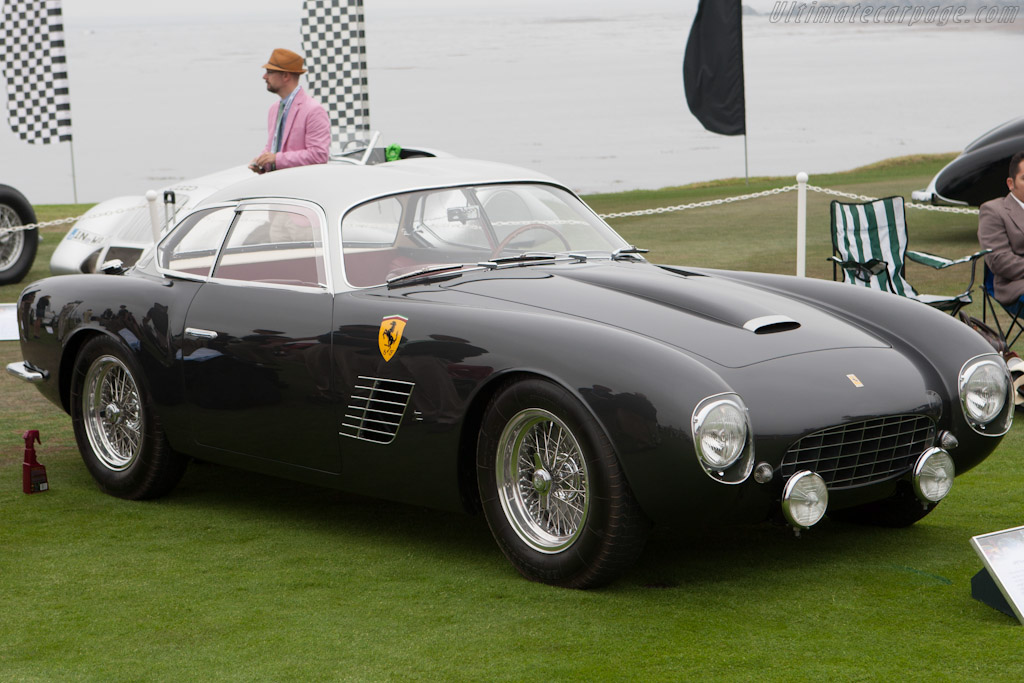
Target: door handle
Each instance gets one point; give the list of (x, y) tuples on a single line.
[(198, 333)]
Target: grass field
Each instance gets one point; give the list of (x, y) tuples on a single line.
[(239, 577)]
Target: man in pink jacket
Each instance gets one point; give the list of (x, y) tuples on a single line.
[(298, 128)]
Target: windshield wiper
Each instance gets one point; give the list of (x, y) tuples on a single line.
[(621, 254), (529, 258), (449, 269)]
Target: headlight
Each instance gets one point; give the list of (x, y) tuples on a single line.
[(984, 386), (721, 436)]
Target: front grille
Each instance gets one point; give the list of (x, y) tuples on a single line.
[(376, 408), (861, 453)]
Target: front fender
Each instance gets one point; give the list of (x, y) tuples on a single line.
[(938, 344)]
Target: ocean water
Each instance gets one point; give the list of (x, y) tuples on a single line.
[(588, 92)]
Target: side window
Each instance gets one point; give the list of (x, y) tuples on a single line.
[(368, 235), (192, 247), (374, 224), (449, 216), (274, 245)]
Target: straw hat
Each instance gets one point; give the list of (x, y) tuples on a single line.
[(285, 60)]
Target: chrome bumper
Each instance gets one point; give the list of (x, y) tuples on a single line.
[(26, 372)]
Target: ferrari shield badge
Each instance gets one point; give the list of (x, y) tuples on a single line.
[(856, 382), (390, 334)]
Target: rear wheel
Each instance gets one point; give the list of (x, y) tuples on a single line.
[(17, 248), (554, 496), (117, 430)]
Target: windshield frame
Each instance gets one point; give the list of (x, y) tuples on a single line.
[(409, 228)]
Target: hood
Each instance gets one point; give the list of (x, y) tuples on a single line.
[(726, 322)]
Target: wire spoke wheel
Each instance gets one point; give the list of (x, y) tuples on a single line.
[(542, 480), (112, 413), (550, 485), (17, 247), (117, 426), (12, 243)]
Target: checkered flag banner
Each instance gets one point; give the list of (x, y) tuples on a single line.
[(334, 43), (35, 70)]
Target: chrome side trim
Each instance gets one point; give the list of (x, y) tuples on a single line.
[(199, 333), (27, 373)]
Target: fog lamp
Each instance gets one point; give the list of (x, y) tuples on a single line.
[(933, 475), (804, 499)]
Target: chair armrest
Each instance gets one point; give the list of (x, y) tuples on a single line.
[(862, 271), (939, 262)]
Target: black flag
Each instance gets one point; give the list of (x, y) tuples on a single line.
[(713, 67)]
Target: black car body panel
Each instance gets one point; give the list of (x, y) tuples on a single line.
[(277, 393)]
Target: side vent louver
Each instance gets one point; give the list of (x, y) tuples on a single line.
[(376, 408)]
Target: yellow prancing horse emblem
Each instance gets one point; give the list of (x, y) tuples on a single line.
[(390, 334)]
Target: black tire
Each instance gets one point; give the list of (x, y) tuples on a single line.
[(900, 510), (567, 518), (117, 430), (17, 249)]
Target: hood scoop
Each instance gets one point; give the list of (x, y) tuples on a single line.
[(725, 321), (769, 324)]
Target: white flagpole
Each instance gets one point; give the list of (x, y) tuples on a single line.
[(74, 181), (746, 165)]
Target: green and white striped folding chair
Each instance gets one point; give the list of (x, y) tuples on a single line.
[(869, 244)]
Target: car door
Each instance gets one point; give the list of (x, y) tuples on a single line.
[(256, 347)]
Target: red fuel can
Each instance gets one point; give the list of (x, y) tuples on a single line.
[(33, 475)]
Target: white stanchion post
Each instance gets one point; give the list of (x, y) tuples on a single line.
[(154, 215), (801, 224)]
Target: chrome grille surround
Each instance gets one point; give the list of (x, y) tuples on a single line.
[(376, 408), (861, 453)]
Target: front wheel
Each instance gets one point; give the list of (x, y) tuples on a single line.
[(17, 247), (552, 490), (117, 430)]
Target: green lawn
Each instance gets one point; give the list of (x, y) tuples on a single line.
[(239, 577)]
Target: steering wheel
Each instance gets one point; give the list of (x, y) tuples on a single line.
[(532, 226)]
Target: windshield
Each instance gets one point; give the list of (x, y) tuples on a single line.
[(395, 235)]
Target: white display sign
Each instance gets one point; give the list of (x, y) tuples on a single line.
[(1003, 555), (8, 322)]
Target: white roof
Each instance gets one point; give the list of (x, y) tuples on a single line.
[(338, 186)]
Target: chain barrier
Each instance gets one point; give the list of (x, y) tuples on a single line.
[(923, 207), (699, 205), (605, 216), (71, 219), (780, 190)]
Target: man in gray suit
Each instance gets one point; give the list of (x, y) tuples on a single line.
[(1001, 229)]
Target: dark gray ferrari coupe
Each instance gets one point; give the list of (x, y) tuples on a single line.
[(468, 335)]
